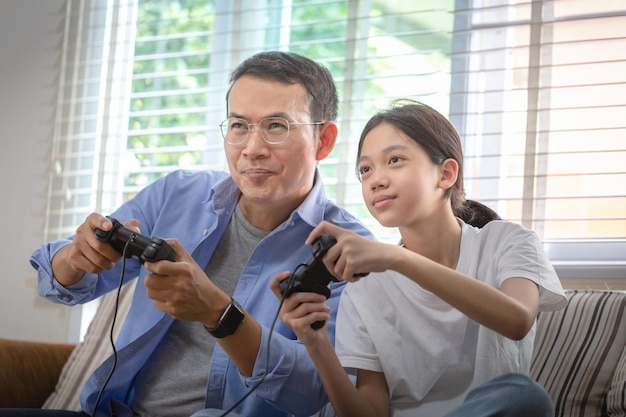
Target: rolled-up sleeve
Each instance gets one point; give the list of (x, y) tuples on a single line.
[(49, 288)]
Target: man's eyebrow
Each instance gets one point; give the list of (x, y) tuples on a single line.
[(386, 150), (278, 114)]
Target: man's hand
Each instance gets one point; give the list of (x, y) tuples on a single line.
[(86, 253), (182, 289)]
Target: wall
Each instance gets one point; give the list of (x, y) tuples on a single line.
[(30, 54)]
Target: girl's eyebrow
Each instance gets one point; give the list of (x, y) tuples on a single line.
[(386, 150)]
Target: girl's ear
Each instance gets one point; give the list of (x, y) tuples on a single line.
[(449, 171), (328, 137)]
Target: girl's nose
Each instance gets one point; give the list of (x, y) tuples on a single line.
[(378, 180)]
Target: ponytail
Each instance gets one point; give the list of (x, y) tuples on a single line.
[(476, 214)]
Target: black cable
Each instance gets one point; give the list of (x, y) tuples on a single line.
[(269, 340), (111, 332), (111, 335)]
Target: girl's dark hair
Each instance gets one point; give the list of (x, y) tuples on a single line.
[(436, 135), (291, 68)]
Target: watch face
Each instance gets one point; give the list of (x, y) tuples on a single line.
[(230, 320), (233, 316)]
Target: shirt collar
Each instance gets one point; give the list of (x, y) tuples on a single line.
[(225, 195)]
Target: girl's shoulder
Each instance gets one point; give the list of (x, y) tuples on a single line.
[(497, 232)]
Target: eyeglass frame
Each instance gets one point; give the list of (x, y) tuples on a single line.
[(262, 132)]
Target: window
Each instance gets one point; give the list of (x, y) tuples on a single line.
[(536, 90), (541, 107)]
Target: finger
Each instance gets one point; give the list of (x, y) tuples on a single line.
[(89, 253), (275, 283), (98, 221), (326, 228), (305, 314), (133, 224), (181, 253), (319, 230), (309, 298), (168, 268), (157, 285)]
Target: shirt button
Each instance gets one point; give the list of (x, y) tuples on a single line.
[(205, 232)]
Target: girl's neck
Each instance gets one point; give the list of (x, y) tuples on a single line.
[(438, 240)]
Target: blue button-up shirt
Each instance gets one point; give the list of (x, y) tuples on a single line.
[(195, 207)]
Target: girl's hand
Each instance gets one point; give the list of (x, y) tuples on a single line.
[(353, 256), (300, 310)]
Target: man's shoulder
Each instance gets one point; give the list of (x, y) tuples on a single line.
[(341, 217)]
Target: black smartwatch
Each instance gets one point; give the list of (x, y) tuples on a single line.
[(229, 322)]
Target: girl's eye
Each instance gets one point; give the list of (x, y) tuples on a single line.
[(395, 159), (364, 170)]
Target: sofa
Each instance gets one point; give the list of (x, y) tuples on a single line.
[(580, 358)]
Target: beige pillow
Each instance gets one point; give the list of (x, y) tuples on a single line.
[(95, 348)]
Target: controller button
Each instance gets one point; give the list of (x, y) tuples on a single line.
[(150, 252)]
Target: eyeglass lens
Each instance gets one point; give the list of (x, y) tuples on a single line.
[(272, 129)]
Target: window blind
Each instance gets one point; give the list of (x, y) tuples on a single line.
[(540, 104), (90, 113), (535, 88)]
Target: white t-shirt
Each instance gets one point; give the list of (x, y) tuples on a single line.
[(432, 354)]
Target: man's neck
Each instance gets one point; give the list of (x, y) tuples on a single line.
[(266, 217)]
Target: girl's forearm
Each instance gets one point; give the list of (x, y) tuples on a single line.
[(347, 401)]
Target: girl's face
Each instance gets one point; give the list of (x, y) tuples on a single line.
[(400, 184)]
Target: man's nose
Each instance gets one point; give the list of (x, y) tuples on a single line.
[(255, 143)]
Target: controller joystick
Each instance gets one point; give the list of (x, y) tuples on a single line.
[(147, 249)]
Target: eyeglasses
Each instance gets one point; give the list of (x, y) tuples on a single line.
[(273, 130)]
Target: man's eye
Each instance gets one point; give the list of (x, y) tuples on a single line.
[(274, 125), (238, 125)]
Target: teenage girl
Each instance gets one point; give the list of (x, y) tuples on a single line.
[(444, 323)]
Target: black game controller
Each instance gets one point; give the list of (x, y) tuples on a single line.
[(313, 276), (147, 249)]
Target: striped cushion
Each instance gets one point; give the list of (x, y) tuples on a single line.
[(96, 347), (616, 398), (577, 351)]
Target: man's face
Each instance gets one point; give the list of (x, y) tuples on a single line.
[(272, 177)]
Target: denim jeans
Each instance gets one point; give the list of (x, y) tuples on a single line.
[(38, 412), (509, 395)]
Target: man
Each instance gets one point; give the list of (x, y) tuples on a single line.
[(239, 230)]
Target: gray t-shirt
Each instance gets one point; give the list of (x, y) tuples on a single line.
[(173, 382)]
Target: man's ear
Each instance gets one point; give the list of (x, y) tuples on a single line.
[(328, 137), (449, 171)]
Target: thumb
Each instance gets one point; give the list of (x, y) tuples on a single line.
[(181, 253), (275, 283), (133, 224), (323, 228)]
